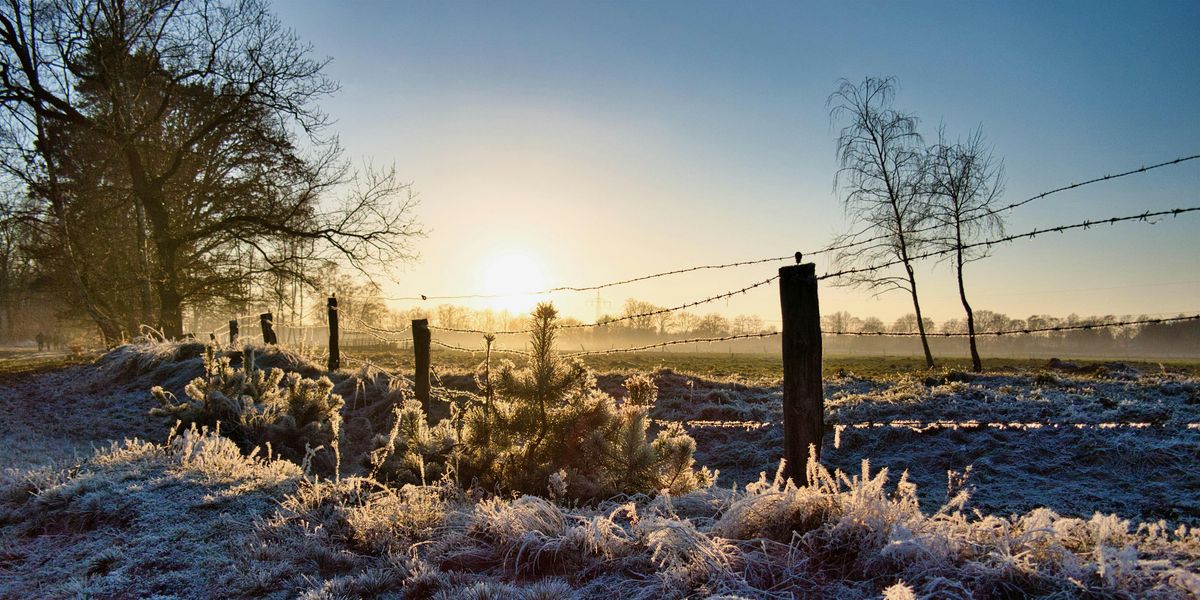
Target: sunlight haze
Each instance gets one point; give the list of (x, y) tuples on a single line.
[(613, 140)]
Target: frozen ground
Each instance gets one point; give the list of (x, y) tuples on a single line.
[(1118, 441), (189, 517)]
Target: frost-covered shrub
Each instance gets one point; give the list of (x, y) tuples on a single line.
[(549, 417), (412, 452), (287, 415), (642, 390)]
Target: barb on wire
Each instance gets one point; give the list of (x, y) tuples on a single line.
[(1008, 238), (988, 213), (706, 340), (1023, 330)]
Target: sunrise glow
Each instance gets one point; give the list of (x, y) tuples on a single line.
[(509, 276)]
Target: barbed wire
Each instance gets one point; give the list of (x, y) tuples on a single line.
[(1018, 204), (382, 338), (478, 350), (798, 255), (707, 340), (610, 321), (590, 288), (1174, 212), (766, 334), (928, 426), (376, 328), (1021, 331)]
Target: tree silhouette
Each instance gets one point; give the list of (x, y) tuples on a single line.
[(881, 177)]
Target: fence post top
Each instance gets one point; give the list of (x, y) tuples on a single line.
[(800, 270), (420, 322)]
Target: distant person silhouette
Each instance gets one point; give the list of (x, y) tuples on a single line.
[(41, 340)]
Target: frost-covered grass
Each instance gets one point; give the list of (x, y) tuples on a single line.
[(135, 519), (1046, 511), (1119, 441), (195, 518)]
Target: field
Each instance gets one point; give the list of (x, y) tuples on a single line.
[(1073, 481)]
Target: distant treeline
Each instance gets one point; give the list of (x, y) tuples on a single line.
[(634, 326)]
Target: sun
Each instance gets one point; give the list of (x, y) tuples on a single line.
[(510, 276)]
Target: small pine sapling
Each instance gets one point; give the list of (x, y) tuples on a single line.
[(549, 424), (412, 452)]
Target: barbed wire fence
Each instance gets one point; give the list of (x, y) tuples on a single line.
[(800, 336), (384, 334), (396, 336)]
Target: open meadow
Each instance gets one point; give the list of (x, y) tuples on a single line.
[(1076, 480)]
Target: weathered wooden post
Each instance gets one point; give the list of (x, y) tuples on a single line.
[(335, 356), (266, 321), (803, 399), (421, 338), (233, 332)]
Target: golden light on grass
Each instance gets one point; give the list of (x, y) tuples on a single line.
[(509, 276)]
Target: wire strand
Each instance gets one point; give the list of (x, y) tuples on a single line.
[(1008, 238), (1014, 205)]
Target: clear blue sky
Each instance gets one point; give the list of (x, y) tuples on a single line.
[(609, 139)]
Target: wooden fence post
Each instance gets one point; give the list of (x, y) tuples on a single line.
[(267, 322), (233, 332), (803, 396), (335, 355), (421, 338)]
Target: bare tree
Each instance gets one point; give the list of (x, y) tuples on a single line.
[(881, 176), (965, 181), (201, 118)]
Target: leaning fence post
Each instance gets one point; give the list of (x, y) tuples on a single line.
[(267, 322), (803, 399), (335, 356), (421, 338), (233, 332)]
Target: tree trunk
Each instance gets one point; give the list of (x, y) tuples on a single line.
[(170, 314), (912, 287), (144, 289), (170, 299), (976, 363)]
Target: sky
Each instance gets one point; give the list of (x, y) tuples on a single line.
[(573, 143)]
